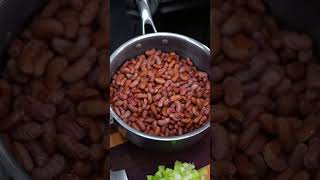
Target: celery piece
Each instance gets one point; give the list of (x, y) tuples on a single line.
[(180, 171)]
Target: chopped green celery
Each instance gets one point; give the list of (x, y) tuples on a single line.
[(161, 168), (181, 171)]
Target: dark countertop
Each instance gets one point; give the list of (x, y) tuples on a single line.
[(140, 162)]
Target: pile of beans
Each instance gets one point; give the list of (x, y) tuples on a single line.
[(266, 97), (161, 94), (53, 104)]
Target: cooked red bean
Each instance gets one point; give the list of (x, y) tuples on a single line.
[(265, 95), (233, 91), (273, 159), (53, 92), (164, 90), (220, 147)]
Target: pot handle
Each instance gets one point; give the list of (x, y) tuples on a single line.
[(145, 14)]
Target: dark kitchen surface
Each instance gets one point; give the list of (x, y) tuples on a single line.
[(187, 17), (139, 162)]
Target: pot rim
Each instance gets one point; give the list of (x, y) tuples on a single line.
[(139, 133)]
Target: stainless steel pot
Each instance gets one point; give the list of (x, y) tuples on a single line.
[(182, 45)]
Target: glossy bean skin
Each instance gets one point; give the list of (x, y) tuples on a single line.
[(264, 96), (53, 91), (164, 87)]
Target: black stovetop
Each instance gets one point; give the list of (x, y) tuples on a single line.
[(187, 17)]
